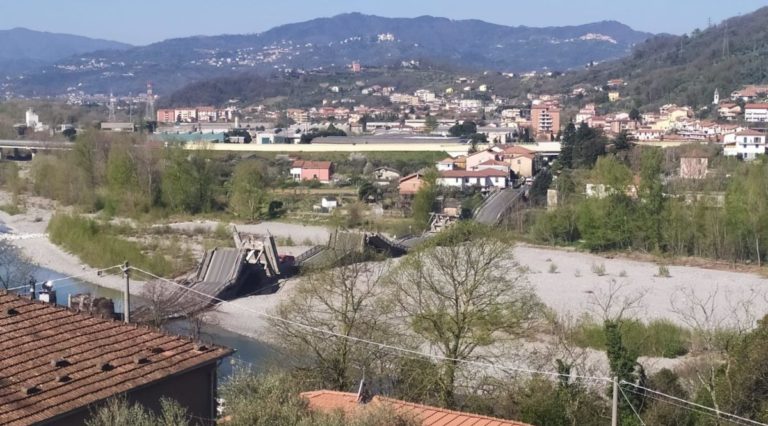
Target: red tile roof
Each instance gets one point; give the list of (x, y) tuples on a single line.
[(493, 163), (750, 132), (324, 400), (473, 173), (306, 164), (33, 335), (756, 106), (409, 177)]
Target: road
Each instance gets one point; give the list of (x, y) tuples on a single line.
[(33, 144), (493, 208)]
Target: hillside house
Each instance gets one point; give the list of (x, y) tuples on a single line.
[(756, 113), (482, 179), (446, 164), (747, 144), (694, 166), (384, 175), (475, 159), (729, 111), (58, 364), (410, 185), (321, 171), (520, 159)]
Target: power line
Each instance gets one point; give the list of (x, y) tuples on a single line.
[(71, 277), (685, 407), (369, 342), (717, 412), (631, 406)]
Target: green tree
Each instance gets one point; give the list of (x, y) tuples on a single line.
[(540, 186), (367, 191), (430, 123), (463, 296), (343, 300), (188, 182), (612, 173), (746, 206), (568, 144), (621, 141), (70, 133), (634, 114), (248, 193), (651, 194), (589, 145), (424, 200)]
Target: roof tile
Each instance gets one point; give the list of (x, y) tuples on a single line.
[(40, 333)]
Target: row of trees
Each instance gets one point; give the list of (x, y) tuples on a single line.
[(132, 177), (642, 217)]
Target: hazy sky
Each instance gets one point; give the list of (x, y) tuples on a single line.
[(147, 21)]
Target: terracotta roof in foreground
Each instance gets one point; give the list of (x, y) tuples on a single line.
[(324, 400), (54, 361)]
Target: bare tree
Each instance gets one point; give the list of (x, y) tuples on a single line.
[(15, 269), (615, 303), (341, 301), (718, 323), (461, 297), (159, 306)]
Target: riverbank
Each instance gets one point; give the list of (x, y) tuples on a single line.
[(569, 282), (28, 233)]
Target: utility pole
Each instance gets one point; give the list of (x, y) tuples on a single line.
[(615, 404), (127, 294)]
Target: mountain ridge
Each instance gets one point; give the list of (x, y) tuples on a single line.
[(335, 42), (23, 49)]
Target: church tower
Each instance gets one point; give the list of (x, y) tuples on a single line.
[(716, 100)]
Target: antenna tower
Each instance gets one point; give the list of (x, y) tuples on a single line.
[(150, 112), (111, 107)]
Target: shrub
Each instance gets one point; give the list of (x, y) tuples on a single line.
[(99, 246), (659, 338), (663, 271), (552, 268), (623, 274), (598, 269)]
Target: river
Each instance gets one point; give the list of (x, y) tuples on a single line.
[(248, 352)]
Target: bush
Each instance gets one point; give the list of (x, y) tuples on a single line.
[(598, 270), (99, 246), (659, 338), (552, 268), (663, 272)]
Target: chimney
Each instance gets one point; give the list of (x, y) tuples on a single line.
[(31, 288)]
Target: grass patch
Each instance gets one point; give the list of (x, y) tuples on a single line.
[(659, 338), (12, 209), (100, 246)]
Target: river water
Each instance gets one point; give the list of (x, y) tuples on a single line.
[(249, 353)]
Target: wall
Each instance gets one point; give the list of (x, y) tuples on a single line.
[(194, 390)]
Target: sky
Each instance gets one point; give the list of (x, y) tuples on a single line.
[(142, 22)]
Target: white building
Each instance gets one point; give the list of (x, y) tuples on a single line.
[(425, 95), (329, 203), (32, 121), (748, 144), (470, 104), (756, 113), (483, 179)]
